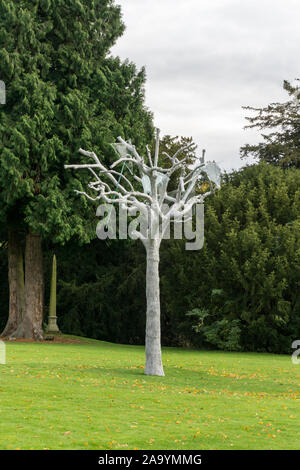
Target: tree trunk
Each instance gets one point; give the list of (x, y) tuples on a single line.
[(153, 342), (31, 326), (16, 284)]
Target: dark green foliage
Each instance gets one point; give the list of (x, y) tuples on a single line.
[(96, 296), (63, 92), (224, 334), (250, 259), (281, 125)]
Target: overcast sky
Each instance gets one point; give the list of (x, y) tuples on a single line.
[(205, 59)]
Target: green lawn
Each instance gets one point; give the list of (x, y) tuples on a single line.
[(94, 395)]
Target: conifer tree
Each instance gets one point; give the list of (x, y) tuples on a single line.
[(63, 91), (281, 125)]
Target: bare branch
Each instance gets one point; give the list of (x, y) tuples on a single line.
[(156, 147), (112, 191), (149, 156)]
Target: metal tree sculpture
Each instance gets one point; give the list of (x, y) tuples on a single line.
[(150, 200)]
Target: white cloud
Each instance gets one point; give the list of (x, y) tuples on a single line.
[(205, 59)]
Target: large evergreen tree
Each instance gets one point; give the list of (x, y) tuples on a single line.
[(63, 91)]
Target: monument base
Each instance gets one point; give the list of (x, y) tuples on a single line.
[(52, 325)]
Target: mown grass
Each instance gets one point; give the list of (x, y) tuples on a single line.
[(94, 395)]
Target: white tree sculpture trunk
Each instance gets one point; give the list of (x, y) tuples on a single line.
[(153, 344)]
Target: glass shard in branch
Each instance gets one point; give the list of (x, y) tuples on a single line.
[(213, 173)]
